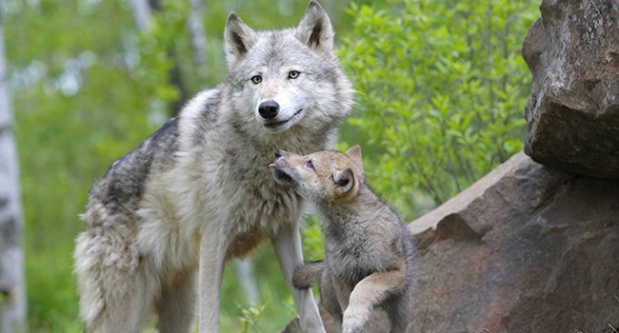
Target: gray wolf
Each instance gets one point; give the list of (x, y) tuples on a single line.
[(164, 219), (369, 254)]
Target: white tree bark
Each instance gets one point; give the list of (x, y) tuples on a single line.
[(141, 13), (198, 37), (12, 283), (247, 279)]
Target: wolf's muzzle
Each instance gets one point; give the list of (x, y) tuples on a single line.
[(268, 109)]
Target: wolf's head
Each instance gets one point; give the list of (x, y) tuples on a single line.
[(286, 77), (323, 175)]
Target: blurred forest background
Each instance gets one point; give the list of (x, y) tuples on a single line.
[(441, 91)]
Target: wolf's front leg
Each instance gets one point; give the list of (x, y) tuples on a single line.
[(287, 245), (212, 260)]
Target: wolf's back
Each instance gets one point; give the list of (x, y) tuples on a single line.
[(122, 186)]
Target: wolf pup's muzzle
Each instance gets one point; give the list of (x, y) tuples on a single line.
[(278, 173)]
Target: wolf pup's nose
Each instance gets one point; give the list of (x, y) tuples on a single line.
[(278, 154), (268, 109)]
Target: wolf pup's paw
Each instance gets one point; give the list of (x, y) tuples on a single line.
[(354, 320)]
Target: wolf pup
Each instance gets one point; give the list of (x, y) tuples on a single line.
[(164, 219), (369, 253)]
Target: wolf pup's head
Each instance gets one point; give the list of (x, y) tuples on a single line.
[(323, 175), (286, 76)]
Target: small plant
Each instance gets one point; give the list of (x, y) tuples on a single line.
[(251, 316), (313, 241)]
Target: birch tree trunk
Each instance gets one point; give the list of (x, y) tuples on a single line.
[(141, 13), (198, 37), (12, 283), (247, 279)]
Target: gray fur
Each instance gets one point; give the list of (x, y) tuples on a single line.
[(122, 186), (163, 219), (357, 246)]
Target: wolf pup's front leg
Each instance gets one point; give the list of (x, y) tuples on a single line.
[(367, 294), (287, 246)]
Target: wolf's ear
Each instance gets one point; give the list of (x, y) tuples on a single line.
[(354, 153), (238, 39), (315, 28), (346, 184)]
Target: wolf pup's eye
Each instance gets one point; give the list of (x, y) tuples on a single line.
[(256, 79), (293, 74), (309, 164)]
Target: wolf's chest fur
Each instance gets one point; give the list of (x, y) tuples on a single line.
[(218, 177)]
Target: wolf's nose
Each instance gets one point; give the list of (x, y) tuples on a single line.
[(268, 109), (278, 154)]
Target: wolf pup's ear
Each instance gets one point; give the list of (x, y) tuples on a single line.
[(238, 39), (346, 184), (354, 153), (315, 28)]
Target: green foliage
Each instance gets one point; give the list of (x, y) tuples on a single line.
[(155, 45), (251, 317), (442, 86), (313, 241)]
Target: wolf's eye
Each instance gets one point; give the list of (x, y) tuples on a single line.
[(293, 74), (309, 164), (256, 79)]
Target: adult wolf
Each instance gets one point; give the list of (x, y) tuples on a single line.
[(197, 192)]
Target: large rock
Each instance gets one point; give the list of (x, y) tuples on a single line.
[(525, 249), (573, 113)]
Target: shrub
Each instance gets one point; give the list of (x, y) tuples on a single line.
[(441, 88)]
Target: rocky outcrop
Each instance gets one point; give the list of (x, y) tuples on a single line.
[(573, 113), (525, 249), (533, 248)]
